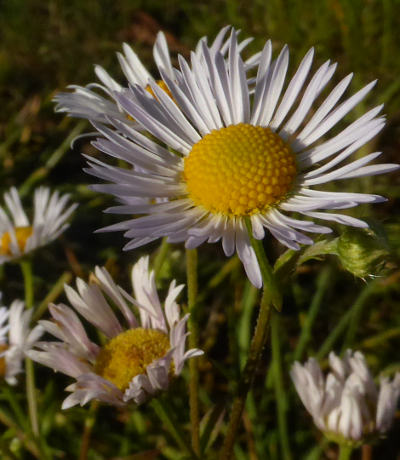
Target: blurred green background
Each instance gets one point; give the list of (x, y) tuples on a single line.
[(46, 45)]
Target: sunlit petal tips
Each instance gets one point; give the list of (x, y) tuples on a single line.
[(142, 354), (20, 235), (346, 404), (98, 101), (232, 155), (16, 339)]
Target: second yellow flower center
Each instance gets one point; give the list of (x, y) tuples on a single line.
[(239, 170), (128, 355), (21, 233)]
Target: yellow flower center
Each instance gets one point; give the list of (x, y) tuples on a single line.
[(3, 347), (128, 355), (163, 86), (239, 170), (21, 233)]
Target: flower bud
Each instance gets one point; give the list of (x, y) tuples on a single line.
[(363, 251)]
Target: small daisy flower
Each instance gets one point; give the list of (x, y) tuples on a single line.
[(231, 156), (86, 102), (18, 235), (347, 403), (138, 359), (16, 339)]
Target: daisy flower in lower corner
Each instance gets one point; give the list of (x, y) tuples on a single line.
[(16, 339), (20, 235), (222, 152), (139, 357), (346, 404)]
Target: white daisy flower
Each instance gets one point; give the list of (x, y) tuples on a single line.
[(16, 339), (346, 403), (138, 359), (232, 157), (18, 235), (86, 102)]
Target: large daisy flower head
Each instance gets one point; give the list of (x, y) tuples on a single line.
[(16, 339), (98, 101), (346, 403), (20, 235), (226, 152), (139, 357)]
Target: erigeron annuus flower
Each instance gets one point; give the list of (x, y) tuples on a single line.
[(231, 156), (88, 102), (346, 403), (20, 235), (16, 339), (138, 359)]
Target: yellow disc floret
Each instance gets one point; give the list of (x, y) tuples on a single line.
[(21, 233), (239, 170), (162, 85), (128, 355)]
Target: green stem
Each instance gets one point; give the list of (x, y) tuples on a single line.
[(26, 268), (356, 313), (345, 452), (305, 336), (280, 396), (53, 294), (344, 321), (6, 420), (271, 296), (161, 256), (191, 274), (90, 420), (31, 396), (164, 413)]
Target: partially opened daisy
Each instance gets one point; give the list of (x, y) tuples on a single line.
[(140, 355), (231, 156), (20, 235), (16, 339), (98, 101), (346, 404)]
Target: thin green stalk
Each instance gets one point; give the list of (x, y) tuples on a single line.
[(21, 435), (271, 296), (280, 396), (191, 274), (164, 413), (357, 310), (31, 396), (345, 452), (53, 294), (26, 268), (345, 321), (161, 256), (305, 336), (90, 420)]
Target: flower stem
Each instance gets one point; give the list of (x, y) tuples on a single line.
[(161, 256), (164, 413), (26, 269), (322, 283), (271, 296), (281, 399), (31, 396), (345, 452), (191, 274), (87, 431)]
